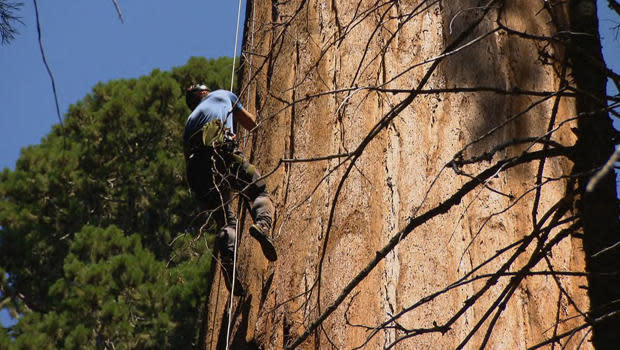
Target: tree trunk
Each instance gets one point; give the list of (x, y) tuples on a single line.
[(422, 161), (597, 208)]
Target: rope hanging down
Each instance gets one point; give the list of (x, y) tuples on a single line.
[(232, 284), (232, 78)]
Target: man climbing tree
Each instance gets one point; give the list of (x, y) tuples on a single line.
[(215, 167)]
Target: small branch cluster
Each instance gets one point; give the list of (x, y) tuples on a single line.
[(8, 20)]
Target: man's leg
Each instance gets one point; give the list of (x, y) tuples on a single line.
[(214, 196), (262, 212), (226, 224), (225, 238), (247, 180)]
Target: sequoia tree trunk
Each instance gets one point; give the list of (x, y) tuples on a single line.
[(597, 207), (428, 182)]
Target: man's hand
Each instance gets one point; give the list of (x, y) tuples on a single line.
[(246, 119)]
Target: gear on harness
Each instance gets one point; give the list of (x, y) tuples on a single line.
[(212, 135)]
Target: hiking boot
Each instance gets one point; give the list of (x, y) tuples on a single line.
[(269, 251), (227, 269)]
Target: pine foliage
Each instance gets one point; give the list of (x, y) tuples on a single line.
[(99, 243), (9, 19)]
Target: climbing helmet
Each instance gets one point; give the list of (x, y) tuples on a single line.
[(192, 94)]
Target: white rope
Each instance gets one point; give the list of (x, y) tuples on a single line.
[(247, 100), (232, 78), (232, 284)]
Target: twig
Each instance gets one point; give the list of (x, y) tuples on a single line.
[(118, 10), (606, 169), (47, 67)]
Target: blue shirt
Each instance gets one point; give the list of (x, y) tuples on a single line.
[(217, 105)]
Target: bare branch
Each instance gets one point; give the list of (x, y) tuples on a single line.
[(604, 171), (118, 11), (47, 67)]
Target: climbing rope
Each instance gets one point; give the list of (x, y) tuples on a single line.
[(232, 78), (234, 271)]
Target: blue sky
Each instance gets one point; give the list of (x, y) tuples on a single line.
[(86, 43)]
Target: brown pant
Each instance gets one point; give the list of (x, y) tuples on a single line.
[(213, 174)]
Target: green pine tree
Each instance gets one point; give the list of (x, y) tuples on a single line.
[(97, 227)]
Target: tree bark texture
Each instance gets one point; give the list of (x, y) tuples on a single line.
[(428, 178)]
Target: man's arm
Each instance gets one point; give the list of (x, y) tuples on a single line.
[(246, 119)]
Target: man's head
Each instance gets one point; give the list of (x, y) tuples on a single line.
[(194, 94)]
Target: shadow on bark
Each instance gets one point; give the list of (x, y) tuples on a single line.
[(599, 207)]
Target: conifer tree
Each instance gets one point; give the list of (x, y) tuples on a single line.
[(98, 231), (8, 19)]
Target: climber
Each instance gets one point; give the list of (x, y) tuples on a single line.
[(216, 167)]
